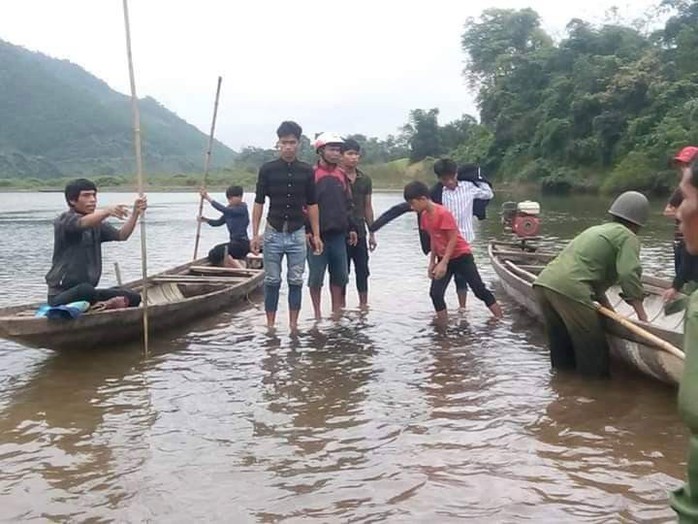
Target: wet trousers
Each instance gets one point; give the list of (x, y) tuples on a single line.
[(576, 337)]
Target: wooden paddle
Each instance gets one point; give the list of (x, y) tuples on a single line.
[(639, 331), (139, 174), (628, 324), (207, 163)]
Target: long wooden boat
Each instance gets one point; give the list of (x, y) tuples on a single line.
[(175, 297), (516, 269)]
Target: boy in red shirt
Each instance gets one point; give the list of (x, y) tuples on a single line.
[(450, 253)]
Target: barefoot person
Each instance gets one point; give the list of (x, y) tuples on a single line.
[(361, 190), (290, 186), (77, 250), (450, 253), (459, 196), (236, 217), (337, 226)]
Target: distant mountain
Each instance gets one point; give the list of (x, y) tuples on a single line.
[(57, 120)]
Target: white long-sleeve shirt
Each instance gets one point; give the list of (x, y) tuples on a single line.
[(459, 201)]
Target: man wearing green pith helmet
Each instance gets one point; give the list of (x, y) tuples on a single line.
[(596, 259)]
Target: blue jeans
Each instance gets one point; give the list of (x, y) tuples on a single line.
[(276, 245), (333, 258)]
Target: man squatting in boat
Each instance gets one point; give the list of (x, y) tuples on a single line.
[(77, 249)]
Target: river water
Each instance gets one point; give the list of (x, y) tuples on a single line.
[(377, 416)]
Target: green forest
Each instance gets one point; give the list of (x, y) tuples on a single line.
[(603, 108)]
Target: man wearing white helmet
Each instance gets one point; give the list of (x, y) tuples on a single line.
[(337, 226), (596, 259)]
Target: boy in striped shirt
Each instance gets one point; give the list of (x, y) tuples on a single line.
[(458, 197), (450, 252)]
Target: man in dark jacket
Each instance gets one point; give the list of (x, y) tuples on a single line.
[(467, 173), (337, 226)]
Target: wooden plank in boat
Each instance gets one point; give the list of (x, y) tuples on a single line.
[(197, 279), (213, 270), (519, 254)]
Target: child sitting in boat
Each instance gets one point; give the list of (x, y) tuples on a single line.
[(450, 252), (236, 216), (77, 250)]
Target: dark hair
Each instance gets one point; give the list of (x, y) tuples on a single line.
[(350, 145), (445, 167), (233, 191), (288, 127), (77, 186), (415, 190), (694, 174)]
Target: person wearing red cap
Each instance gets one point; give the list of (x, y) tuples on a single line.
[(685, 264)]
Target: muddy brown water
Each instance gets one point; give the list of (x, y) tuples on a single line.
[(378, 416)]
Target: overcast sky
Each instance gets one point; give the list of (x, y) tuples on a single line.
[(356, 66)]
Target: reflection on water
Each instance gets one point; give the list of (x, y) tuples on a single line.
[(377, 416)]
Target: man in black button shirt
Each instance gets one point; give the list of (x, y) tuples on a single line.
[(290, 186)]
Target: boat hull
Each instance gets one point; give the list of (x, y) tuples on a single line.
[(625, 345), (107, 328)]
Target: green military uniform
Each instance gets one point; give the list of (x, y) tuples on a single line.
[(685, 499), (596, 259)]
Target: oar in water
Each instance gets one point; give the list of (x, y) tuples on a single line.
[(631, 326), (139, 174), (207, 163)]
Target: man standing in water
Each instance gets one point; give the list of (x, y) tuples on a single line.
[(361, 190), (458, 196), (290, 186), (450, 253), (336, 224), (685, 499), (566, 289)]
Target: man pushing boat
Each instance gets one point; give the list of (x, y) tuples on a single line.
[(598, 258), (77, 250)]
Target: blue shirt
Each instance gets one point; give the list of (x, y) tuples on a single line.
[(237, 219)]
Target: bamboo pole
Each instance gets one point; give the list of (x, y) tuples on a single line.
[(117, 270), (207, 163), (653, 339), (139, 173)]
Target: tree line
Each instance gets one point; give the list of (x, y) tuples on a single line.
[(603, 108)]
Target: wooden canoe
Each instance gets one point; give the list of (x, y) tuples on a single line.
[(514, 268), (175, 297)]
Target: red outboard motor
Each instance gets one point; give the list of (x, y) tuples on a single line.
[(522, 218)]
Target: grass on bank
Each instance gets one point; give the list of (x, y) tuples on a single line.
[(631, 173)]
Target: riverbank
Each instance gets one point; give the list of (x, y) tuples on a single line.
[(390, 176)]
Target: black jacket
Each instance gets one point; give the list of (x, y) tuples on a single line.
[(479, 207)]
